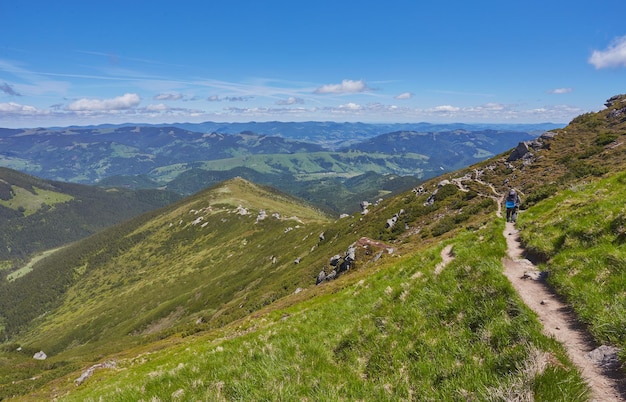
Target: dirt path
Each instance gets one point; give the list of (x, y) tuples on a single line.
[(559, 322)]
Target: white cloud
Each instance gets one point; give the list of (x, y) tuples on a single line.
[(346, 87), (444, 109), (215, 98), (168, 96), (560, 91), (126, 101), (404, 95), (613, 56), (487, 107), (12, 108), (157, 108), (292, 100), (350, 106)]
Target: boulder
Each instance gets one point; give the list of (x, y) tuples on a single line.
[(605, 357), (40, 355), (617, 113), (320, 277), (614, 100), (351, 253), (331, 276), (364, 207), (519, 152)]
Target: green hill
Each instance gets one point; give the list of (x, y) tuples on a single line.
[(38, 215), (203, 300)]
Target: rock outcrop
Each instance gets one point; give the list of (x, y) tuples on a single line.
[(341, 263)]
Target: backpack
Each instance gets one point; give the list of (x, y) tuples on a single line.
[(511, 199)]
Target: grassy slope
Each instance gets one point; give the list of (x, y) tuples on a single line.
[(399, 332), (223, 268), (582, 230), (38, 215), (393, 329), (310, 165)]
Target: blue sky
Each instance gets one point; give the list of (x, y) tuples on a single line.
[(91, 62)]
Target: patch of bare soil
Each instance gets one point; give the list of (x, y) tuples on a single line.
[(598, 365)]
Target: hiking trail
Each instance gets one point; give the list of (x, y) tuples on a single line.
[(599, 366), (605, 380)]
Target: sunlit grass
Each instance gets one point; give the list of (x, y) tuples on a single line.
[(398, 334), (582, 231), (29, 203)]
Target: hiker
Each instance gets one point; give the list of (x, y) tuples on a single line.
[(512, 204)]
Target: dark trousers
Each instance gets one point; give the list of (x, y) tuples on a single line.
[(511, 214)]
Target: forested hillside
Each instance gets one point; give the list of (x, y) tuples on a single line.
[(37, 215)]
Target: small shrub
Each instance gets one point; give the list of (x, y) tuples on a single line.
[(446, 191), (582, 169), (539, 194), (605, 138), (443, 226)]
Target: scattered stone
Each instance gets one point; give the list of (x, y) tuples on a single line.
[(351, 253), (617, 113), (331, 276), (261, 216), (364, 207), (605, 357), (241, 210), (533, 275), (40, 355), (334, 260)]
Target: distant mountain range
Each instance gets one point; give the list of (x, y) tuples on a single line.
[(305, 159), (336, 135)]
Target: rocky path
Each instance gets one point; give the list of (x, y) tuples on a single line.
[(597, 365)]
